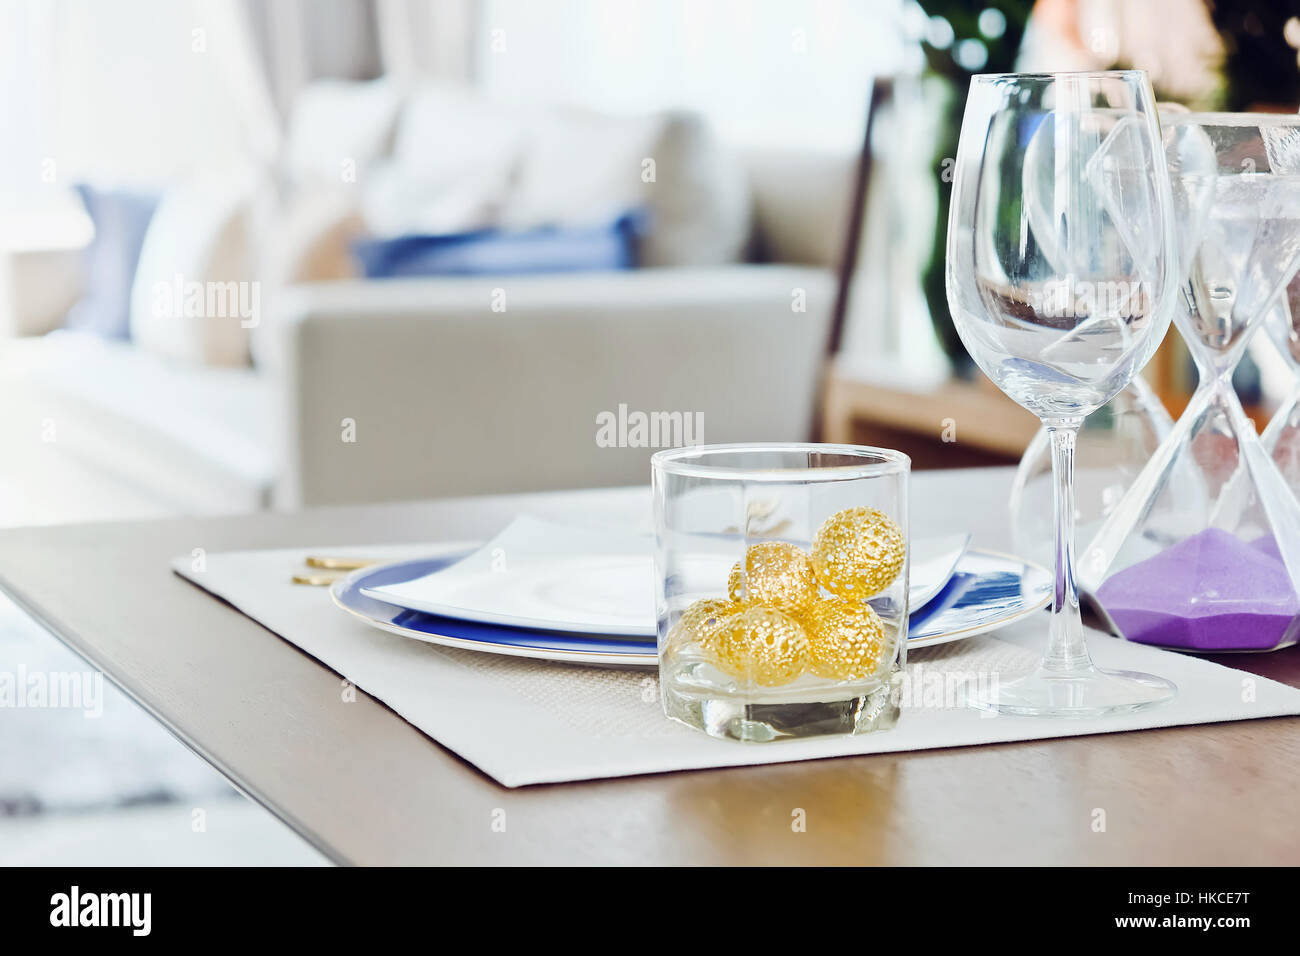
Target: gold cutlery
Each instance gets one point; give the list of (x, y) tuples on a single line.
[(333, 567), (315, 580), (339, 564)]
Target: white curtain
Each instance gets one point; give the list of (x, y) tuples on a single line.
[(304, 40), (299, 41), (138, 90), (132, 92), (427, 38)]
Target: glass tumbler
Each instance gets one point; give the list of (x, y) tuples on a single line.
[(781, 575)]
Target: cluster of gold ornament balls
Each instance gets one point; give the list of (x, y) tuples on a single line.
[(774, 624)]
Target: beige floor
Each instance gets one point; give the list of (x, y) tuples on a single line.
[(238, 833)]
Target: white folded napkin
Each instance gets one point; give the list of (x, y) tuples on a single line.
[(551, 576), (543, 575)]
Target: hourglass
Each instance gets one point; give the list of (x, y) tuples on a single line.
[(1203, 551), (1282, 436)]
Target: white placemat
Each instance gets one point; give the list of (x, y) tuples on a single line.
[(525, 722)]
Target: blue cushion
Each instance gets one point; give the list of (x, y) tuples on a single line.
[(498, 252), (121, 218)]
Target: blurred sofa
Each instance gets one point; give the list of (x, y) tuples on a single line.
[(348, 389)]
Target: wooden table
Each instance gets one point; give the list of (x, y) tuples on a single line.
[(365, 787), (956, 424)]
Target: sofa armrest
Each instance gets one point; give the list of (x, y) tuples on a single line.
[(431, 387), (37, 287)]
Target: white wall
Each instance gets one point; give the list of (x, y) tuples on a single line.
[(766, 72)]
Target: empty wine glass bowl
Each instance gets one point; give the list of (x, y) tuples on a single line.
[(1062, 271)]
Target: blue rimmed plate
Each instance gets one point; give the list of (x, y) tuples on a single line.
[(988, 590)]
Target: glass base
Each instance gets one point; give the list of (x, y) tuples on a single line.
[(735, 718), (1084, 693)]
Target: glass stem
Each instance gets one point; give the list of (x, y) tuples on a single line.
[(1066, 648)]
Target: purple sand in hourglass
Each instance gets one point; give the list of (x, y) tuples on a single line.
[(1211, 591)]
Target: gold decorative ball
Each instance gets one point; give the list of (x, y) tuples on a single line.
[(763, 646), (858, 552), (736, 584), (699, 622), (846, 639), (776, 575)]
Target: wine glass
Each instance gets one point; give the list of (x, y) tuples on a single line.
[(1062, 275)]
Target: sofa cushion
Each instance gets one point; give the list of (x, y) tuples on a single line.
[(502, 252), (462, 161), (199, 438), (121, 219), (580, 166), (338, 129), (454, 156), (194, 297)]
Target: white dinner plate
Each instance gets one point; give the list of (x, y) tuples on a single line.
[(554, 577), (988, 590)]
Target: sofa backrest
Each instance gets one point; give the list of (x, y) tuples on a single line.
[(424, 388), (439, 159)]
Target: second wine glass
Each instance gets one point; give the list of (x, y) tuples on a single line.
[(1061, 274)]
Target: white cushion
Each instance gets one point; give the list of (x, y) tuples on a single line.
[(339, 127), (584, 167), (454, 156), (463, 161), (197, 240)]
